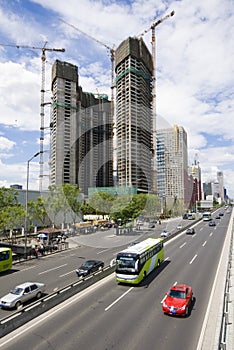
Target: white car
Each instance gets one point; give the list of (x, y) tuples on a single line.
[(165, 233), (22, 293), (179, 227)]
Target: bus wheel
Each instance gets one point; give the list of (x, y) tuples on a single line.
[(159, 262)]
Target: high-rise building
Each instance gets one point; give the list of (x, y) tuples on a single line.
[(172, 164), (221, 184), (134, 123), (81, 133)]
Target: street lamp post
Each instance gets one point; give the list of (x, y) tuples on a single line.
[(26, 204)]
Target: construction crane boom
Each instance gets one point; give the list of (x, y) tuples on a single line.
[(42, 113), (156, 23)]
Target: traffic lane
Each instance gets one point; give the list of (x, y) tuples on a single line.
[(55, 271), (125, 317)]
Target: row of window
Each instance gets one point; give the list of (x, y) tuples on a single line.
[(150, 253)]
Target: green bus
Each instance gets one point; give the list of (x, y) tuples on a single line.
[(136, 262), (5, 259)]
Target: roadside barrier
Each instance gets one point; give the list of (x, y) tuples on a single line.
[(227, 305)]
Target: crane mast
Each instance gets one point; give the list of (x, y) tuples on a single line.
[(42, 113), (152, 27)]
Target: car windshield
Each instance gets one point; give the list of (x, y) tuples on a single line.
[(87, 265), (17, 291), (176, 294)]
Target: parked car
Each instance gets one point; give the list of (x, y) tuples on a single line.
[(190, 231), (217, 217), (165, 233), (178, 300), (89, 266), (22, 293), (179, 227), (151, 225), (212, 223)]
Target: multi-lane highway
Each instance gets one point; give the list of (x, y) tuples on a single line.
[(111, 316)]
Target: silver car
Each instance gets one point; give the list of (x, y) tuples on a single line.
[(21, 294), (165, 233)]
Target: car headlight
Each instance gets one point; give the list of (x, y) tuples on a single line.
[(183, 307)]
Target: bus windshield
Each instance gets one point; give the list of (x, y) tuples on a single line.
[(126, 264)]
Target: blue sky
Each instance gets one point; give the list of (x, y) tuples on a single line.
[(194, 71)]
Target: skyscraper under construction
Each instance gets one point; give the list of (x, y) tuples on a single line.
[(134, 125), (81, 133)]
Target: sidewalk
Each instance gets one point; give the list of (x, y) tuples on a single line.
[(210, 334)]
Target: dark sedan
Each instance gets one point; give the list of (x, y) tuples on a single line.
[(89, 266)]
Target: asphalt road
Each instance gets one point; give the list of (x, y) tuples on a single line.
[(112, 316)]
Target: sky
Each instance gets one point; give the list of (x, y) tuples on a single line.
[(194, 72)]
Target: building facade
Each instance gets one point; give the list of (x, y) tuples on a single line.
[(172, 165), (81, 132), (134, 123)]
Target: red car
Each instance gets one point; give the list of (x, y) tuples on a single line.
[(178, 300)]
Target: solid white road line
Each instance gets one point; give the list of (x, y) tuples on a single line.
[(118, 299)]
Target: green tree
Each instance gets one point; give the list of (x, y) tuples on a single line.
[(12, 213), (101, 202), (73, 199), (37, 211)]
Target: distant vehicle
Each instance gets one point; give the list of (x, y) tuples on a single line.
[(22, 293), (190, 231), (206, 216), (212, 223), (151, 225), (221, 214), (5, 259), (191, 216), (135, 263), (217, 217), (165, 233), (133, 243), (89, 266), (178, 300), (179, 227)]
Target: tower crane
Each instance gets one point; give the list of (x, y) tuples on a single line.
[(112, 57), (152, 27), (42, 113)]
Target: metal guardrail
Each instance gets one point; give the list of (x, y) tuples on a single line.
[(223, 338)]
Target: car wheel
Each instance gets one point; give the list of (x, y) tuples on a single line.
[(18, 305), (38, 296)]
